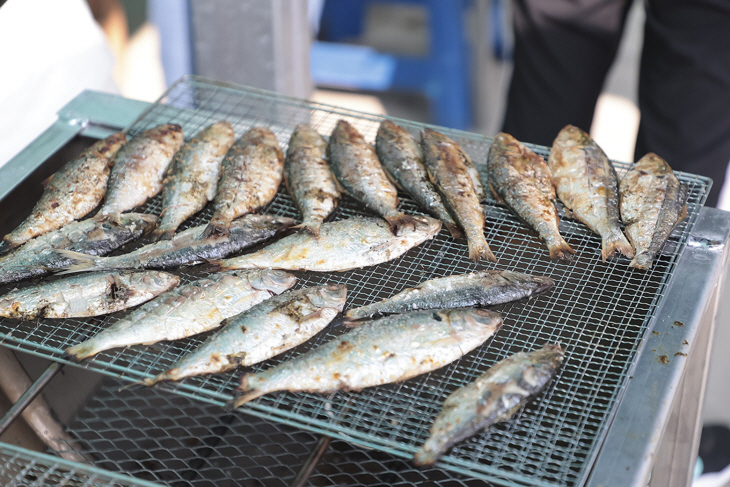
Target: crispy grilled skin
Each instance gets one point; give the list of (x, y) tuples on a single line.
[(252, 171), (521, 180), (308, 177), (357, 168), (653, 201), (193, 177), (586, 183), (402, 158), (72, 192), (449, 172), (139, 168)]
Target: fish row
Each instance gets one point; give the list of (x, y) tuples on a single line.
[(649, 199)]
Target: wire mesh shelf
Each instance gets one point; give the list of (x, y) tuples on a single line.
[(598, 311)]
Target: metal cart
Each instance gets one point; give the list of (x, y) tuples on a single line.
[(626, 401)]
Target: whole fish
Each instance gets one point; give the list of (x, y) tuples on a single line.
[(379, 352), (402, 158), (38, 256), (139, 168), (653, 201), (308, 177), (266, 330), (251, 173), (521, 179), (483, 288), (357, 168), (449, 172), (188, 310), (341, 245), (72, 192), (494, 397), (185, 248), (87, 295), (193, 177), (586, 183)]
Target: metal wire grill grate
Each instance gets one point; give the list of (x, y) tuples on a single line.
[(598, 311)]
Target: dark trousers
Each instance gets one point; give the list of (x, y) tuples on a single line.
[(564, 48)]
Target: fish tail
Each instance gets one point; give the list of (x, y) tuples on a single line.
[(357, 313), (82, 350), (250, 395), (641, 260), (427, 455), (560, 250), (480, 251), (79, 262), (614, 241), (163, 233), (399, 221), (311, 228)]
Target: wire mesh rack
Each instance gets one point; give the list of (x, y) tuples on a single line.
[(598, 311)]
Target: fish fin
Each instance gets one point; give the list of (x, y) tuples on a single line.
[(215, 229), (162, 233), (478, 252), (614, 241), (81, 351), (47, 182), (114, 218), (561, 251), (568, 213), (80, 262), (454, 230), (311, 228), (496, 196), (250, 395), (397, 222)]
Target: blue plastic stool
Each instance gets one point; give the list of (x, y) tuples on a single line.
[(442, 76)]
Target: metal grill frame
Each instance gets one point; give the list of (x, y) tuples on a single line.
[(527, 325)]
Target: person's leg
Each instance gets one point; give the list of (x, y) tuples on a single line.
[(684, 87), (563, 50)]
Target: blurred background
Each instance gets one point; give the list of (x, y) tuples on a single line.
[(441, 62)]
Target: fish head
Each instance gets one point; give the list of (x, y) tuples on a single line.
[(470, 322), (653, 164), (537, 284), (273, 280), (572, 136), (550, 356), (329, 296)]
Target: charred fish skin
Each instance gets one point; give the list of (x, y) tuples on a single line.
[(356, 166), (449, 173), (402, 158), (494, 397), (71, 193), (522, 180), (586, 183), (39, 256), (383, 351), (193, 177), (85, 296), (653, 202), (251, 173), (264, 331), (188, 310), (186, 248), (341, 245), (483, 288), (309, 178), (139, 168)]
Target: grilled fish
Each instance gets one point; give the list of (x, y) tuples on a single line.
[(139, 168), (308, 177), (483, 288), (402, 158), (379, 352), (188, 310), (71, 193), (193, 177), (449, 172), (341, 245), (252, 171), (494, 397), (586, 183), (357, 168), (186, 248), (266, 330), (521, 179), (38, 256), (653, 201), (87, 295)]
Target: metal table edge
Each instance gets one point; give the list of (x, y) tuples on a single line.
[(629, 449)]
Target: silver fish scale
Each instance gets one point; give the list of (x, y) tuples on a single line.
[(599, 312)]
